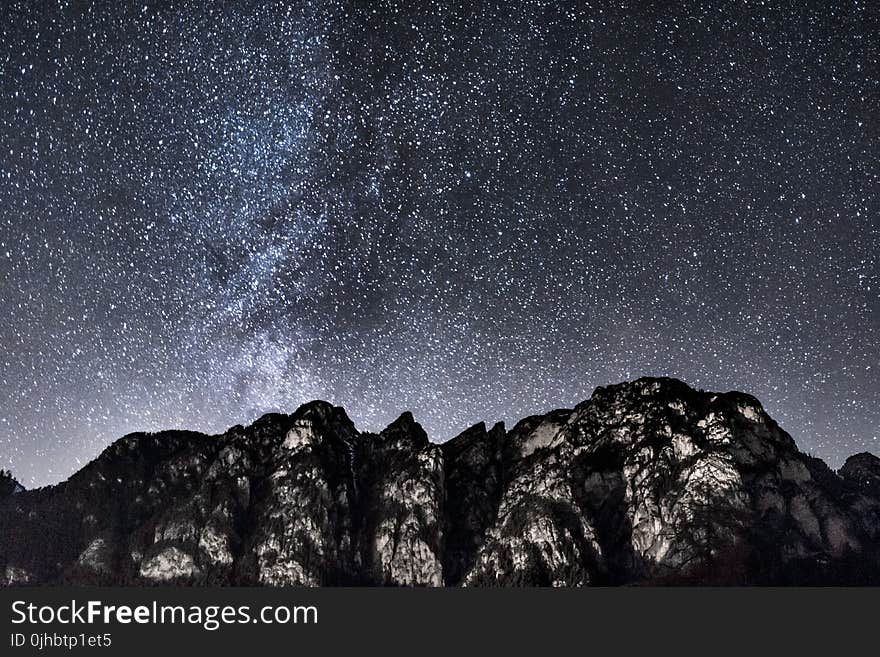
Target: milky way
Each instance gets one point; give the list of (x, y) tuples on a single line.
[(475, 211)]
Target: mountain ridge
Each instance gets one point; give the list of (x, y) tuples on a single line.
[(645, 482)]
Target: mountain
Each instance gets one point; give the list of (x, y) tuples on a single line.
[(8, 484), (648, 482)]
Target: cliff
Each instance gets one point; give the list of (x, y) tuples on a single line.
[(649, 482)]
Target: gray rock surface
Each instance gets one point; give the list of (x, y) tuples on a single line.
[(648, 482)]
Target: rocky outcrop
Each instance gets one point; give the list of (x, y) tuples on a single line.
[(646, 482), (8, 485), (863, 470)]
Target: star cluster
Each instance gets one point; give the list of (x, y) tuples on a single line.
[(475, 211)]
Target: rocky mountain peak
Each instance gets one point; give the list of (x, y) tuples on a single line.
[(863, 470), (326, 416), (406, 429), (8, 484), (645, 482)]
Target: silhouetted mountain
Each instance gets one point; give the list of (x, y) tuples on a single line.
[(8, 484), (863, 470), (649, 482)]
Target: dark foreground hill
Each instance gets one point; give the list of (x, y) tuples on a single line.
[(649, 482)]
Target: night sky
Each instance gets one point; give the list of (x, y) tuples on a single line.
[(209, 211)]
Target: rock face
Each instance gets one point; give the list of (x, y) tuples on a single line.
[(863, 470), (8, 485), (649, 482)]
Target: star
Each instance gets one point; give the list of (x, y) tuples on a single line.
[(474, 213)]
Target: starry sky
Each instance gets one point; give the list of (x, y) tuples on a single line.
[(474, 211)]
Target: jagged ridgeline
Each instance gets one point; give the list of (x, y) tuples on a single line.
[(649, 482), (8, 484)]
